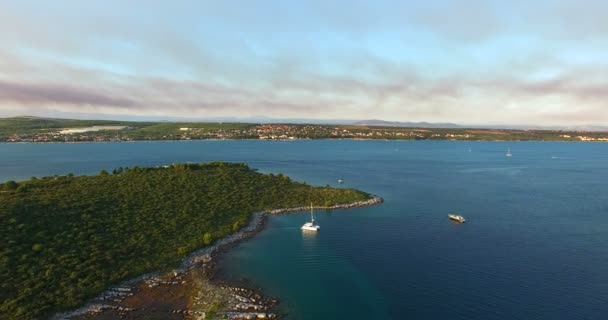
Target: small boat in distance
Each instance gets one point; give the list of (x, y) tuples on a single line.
[(457, 218), (340, 180), (509, 154), (311, 226)]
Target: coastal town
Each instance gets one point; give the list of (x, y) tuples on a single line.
[(53, 130)]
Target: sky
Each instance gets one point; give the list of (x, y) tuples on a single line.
[(472, 62)]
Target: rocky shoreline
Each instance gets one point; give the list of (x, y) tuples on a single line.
[(192, 291)]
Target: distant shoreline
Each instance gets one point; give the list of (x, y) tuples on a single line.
[(287, 140), (45, 130)]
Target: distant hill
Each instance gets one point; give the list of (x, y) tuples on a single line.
[(382, 123), (587, 128), (21, 124), (447, 125)]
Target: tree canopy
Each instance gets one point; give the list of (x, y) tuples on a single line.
[(64, 239)]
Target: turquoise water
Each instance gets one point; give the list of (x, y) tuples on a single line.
[(535, 245)]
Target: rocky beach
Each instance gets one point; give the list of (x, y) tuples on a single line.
[(193, 290)]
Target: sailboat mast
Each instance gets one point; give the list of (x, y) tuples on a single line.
[(312, 218)]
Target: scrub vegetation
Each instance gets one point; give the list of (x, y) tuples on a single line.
[(65, 239)]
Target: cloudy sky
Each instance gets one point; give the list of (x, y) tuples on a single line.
[(475, 62)]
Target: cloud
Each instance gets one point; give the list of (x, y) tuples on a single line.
[(29, 94), (459, 61), (296, 91)]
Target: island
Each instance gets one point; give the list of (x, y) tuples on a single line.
[(66, 239), (33, 129)]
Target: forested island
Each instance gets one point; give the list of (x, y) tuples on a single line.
[(32, 129), (64, 239)]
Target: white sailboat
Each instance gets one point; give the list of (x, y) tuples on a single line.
[(311, 226), (509, 154)]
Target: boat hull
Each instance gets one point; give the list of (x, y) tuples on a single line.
[(458, 219)]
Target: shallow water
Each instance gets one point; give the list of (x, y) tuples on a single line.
[(535, 245)]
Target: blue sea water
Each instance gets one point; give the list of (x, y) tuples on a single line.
[(535, 245)]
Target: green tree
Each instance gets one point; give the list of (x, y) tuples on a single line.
[(182, 250), (22, 188), (207, 238), (10, 185)]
